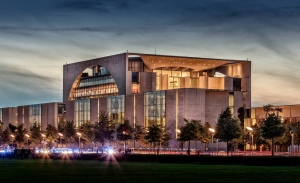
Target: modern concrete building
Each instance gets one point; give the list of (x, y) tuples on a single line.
[(155, 89), (289, 113), (42, 114)]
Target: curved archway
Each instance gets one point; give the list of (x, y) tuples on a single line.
[(93, 81)]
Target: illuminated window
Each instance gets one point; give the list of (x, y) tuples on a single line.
[(154, 108), (94, 82), (116, 108), (35, 114), (82, 111)]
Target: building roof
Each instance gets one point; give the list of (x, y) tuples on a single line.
[(179, 62)]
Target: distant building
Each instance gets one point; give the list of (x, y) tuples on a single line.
[(289, 113), (155, 89), (42, 114)]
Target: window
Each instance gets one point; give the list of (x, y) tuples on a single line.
[(82, 111), (35, 115), (154, 108), (116, 108)]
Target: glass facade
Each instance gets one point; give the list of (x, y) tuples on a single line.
[(82, 111), (35, 114), (155, 107), (116, 108), (94, 82), (174, 79)]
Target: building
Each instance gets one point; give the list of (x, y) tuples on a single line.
[(289, 113), (42, 114), (155, 89)]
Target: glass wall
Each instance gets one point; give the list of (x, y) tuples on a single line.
[(155, 108), (94, 83), (35, 114), (82, 111), (173, 79), (116, 108)]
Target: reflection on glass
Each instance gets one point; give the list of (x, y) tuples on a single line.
[(82, 111), (35, 114), (154, 108), (116, 108)]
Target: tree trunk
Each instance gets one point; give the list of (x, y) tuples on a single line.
[(227, 148), (189, 148), (272, 147)]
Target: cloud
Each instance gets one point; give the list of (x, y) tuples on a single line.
[(24, 83)]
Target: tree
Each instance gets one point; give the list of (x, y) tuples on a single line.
[(268, 108), (296, 126), (228, 127), (138, 134), (191, 130), (206, 135), (69, 132), (103, 128), (1, 132), (271, 109), (35, 131), (285, 139), (51, 134), (271, 129), (157, 135), (124, 132), (20, 132), (87, 132), (6, 135)]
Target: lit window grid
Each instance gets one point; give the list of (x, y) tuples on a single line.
[(102, 90), (35, 114), (174, 81), (154, 108), (116, 108), (84, 82), (82, 111)]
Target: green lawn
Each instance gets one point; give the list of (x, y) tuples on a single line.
[(72, 171)]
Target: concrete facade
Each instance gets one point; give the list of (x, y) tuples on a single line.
[(191, 88), (289, 113), (51, 114)]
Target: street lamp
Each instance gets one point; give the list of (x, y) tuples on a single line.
[(60, 136), (13, 137), (27, 140), (251, 133), (43, 135), (212, 139), (177, 132), (292, 134), (79, 135)]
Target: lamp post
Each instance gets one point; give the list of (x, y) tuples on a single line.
[(212, 139), (27, 140), (251, 133), (43, 135), (60, 136), (13, 137), (79, 135), (177, 132), (292, 145)]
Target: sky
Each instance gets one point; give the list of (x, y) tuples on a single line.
[(37, 37)]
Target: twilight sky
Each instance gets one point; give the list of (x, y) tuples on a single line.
[(38, 36)]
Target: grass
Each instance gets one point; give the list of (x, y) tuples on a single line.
[(21, 171)]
